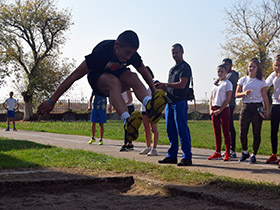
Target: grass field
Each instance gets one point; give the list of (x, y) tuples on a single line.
[(201, 132)]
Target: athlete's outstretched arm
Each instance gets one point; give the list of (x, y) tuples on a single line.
[(48, 105)]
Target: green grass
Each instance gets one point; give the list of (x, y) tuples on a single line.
[(25, 154), (201, 132)]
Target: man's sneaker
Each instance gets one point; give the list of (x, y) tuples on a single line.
[(92, 140), (227, 157), (7, 129), (253, 159), (124, 148), (185, 162), (130, 147), (14, 129), (100, 142), (272, 159), (145, 151), (156, 105), (153, 152), (132, 125), (168, 160), (215, 156), (244, 156)]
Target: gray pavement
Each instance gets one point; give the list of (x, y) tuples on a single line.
[(258, 172)]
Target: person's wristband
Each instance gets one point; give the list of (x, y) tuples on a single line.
[(52, 103)]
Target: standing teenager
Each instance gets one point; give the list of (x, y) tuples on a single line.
[(232, 76), (98, 115), (11, 105), (253, 91), (274, 79), (149, 127), (220, 112)]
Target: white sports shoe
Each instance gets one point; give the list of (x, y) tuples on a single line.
[(153, 152), (145, 151)]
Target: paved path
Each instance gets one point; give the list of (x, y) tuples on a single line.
[(258, 172)]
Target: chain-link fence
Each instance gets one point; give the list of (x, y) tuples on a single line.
[(79, 106)]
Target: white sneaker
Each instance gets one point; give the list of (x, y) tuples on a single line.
[(153, 152), (145, 151)]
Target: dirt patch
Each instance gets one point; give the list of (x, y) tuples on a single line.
[(72, 189)]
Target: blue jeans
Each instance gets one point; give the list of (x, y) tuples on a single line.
[(177, 124)]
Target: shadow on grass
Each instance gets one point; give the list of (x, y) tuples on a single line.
[(7, 161), (8, 145)]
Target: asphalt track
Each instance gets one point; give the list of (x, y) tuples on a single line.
[(261, 171)]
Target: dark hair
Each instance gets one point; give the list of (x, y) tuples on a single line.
[(179, 46), (276, 59), (227, 60), (259, 71), (220, 66), (150, 71), (128, 39)]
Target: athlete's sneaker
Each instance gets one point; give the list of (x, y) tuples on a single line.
[(244, 156), (14, 129), (156, 105), (272, 159), (145, 151), (132, 125), (92, 140), (100, 142), (7, 129), (153, 152), (253, 159), (227, 157), (215, 156)]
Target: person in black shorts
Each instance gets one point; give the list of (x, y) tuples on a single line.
[(108, 75)]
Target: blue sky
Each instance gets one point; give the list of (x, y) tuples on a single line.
[(199, 25)]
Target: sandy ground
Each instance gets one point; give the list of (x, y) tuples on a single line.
[(71, 189)]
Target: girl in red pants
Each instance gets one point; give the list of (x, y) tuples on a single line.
[(220, 112)]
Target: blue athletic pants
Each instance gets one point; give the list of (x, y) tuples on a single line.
[(177, 126)]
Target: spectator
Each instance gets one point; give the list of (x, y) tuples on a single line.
[(274, 79), (232, 76), (11, 105), (220, 112), (177, 109), (98, 115), (148, 127), (252, 89)]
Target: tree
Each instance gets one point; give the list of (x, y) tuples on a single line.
[(31, 34), (253, 31)]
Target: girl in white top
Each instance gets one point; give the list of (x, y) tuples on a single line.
[(274, 79), (220, 112), (252, 89)]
